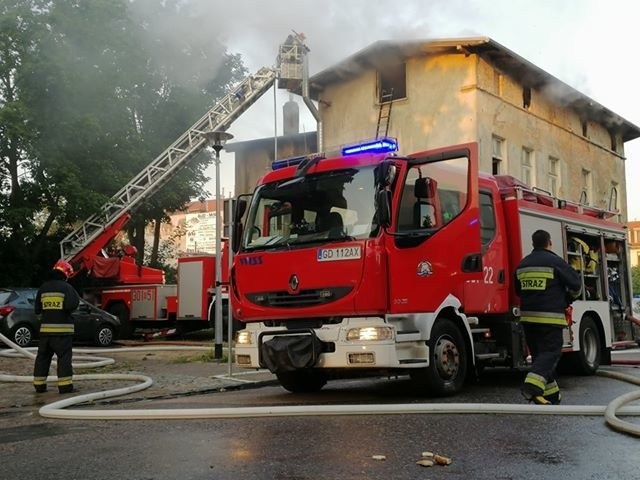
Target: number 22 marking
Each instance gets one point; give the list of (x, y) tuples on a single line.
[(488, 274)]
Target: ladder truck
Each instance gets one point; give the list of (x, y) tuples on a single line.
[(138, 294), (363, 262)]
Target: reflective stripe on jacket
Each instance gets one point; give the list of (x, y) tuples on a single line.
[(57, 328), (548, 318), (54, 302), (545, 284)]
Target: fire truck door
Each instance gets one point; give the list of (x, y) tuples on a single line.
[(490, 295), (435, 248)]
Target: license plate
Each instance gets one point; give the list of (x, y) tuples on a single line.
[(341, 253)]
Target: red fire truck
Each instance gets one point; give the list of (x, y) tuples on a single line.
[(371, 263)]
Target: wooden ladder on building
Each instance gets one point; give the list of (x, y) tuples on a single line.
[(384, 114)]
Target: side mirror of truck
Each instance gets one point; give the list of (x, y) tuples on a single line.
[(241, 207), (383, 207), (236, 236), (385, 174), (236, 226)]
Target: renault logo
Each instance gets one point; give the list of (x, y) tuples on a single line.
[(294, 283)]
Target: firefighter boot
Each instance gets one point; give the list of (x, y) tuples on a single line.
[(66, 389), (533, 387), (40, 384), (554, 398), (65, 384), (552, 393), (540, 400)]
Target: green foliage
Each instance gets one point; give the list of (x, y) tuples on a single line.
[(90, 92), (635, 278), (165, 258), (200, 358)]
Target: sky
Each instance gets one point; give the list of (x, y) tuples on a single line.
[(589, 44)]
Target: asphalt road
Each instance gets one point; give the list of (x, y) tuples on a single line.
[(483, 446)]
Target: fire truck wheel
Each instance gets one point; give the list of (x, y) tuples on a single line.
[(302, 381), (587, 360), (447, 361), (121, 311)]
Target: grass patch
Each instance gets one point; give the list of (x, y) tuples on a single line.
[(108, 368), (200, 358)]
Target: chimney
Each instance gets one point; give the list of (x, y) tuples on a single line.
[(290, 117)]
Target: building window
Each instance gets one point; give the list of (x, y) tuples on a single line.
[(584, 124), (526, 97), (614, 141), (498, 82), (553, 176), (613, 197), (498, 156), (586, 197), (392, 82), (528, 167)]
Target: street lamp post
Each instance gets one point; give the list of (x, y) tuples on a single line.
[(216, 140)]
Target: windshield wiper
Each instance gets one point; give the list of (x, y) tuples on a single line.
[(340, 238)]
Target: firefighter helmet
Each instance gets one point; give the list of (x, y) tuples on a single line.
[(65, 267)]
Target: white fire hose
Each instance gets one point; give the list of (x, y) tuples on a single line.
[(57, 409)]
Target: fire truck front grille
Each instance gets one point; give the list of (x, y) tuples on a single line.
[(304, 298)]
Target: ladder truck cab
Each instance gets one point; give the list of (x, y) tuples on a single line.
[(370, 263), (135, 293)]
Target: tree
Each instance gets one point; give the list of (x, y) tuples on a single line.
[(84, 106), (191, 71), (635, 279), (20, 28)]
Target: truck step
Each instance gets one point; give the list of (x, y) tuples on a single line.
[(473, 320), (408, 336), (480, 330), (411, 361), (487, 356)]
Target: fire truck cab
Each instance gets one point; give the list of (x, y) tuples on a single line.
[(371, 263)]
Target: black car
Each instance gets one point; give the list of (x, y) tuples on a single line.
[(20, 324)]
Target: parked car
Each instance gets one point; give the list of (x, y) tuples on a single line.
[(19, 322)]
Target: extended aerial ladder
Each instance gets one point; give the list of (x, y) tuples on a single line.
[(85, 242), (384, 114)]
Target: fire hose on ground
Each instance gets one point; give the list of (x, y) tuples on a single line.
[(58, 409)]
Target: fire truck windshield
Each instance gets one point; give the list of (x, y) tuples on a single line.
[(323, 207)]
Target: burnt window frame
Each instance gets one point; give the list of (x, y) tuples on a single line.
[(526, 98), (392, 79)]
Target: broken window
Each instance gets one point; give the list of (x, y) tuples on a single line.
[(526, 97), (392, 82)]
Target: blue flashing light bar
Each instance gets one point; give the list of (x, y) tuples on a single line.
[(287, 162), (379, 145)]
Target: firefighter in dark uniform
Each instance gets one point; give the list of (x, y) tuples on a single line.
[(546, 285), (55, 301)]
